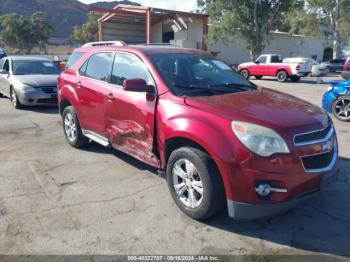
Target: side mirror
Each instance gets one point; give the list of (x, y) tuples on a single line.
[(257, 62), (135, 85)]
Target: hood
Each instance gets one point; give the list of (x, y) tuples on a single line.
[(247, 64), (37, 80), (265, 107)]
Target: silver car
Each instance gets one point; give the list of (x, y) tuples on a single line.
[(28, 80)]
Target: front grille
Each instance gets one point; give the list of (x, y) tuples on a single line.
[(49, 89), (320, 161), (309, 138)]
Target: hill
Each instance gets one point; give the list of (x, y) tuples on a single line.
[(63, 15)]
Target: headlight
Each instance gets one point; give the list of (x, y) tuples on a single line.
[(258, 139), (330, 88), (28, 88)]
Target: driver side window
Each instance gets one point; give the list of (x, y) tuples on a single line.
[(128, 66), (262, 60)]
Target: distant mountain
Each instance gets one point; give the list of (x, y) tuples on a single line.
[(63, 15), (105, 4)]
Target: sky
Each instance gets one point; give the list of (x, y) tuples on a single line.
[(179, 5)]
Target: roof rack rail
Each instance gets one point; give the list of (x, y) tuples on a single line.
[(105, 43)]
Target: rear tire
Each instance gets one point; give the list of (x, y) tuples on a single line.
[(245, 73), (258, 77), (71, 128), (341, 108), (295, 79), (189, 172), (14, 99), (282, 76)]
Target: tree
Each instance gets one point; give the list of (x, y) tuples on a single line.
[(333, 19), (87, 32), (24, 32), (251, 20), (41, 29)]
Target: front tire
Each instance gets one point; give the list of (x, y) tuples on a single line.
[(341, 108), (14, 99), (72, 129), (195, 183), (282, 76), (245, 73)]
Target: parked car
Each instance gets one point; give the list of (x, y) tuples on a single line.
[(311, 65), (335, 65), (28, 80), (215, 135), (2, 54), (346, 69), (272, 65), (337, 100)]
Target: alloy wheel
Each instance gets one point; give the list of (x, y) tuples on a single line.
[(187, 183), (70, 127), (342, 108)]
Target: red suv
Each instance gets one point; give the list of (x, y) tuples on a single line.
[(219, 139)]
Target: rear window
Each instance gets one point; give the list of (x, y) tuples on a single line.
[(100, 66), (276, 59), (73, 59)]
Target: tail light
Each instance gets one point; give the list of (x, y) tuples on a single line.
[(298, 68)]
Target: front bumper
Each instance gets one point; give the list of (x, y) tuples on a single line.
[(37, 97), (246, 211)]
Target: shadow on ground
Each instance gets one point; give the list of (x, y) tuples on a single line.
[(96, 148), (305, 80), (321, 224), (49, 109)]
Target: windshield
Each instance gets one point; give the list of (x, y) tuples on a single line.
[(198, 74), (34, 68)]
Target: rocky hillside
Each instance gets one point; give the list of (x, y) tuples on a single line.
[(63, 15)]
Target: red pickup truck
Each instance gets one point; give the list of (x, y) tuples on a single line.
[(272, 65)]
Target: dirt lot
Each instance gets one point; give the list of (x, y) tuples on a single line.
[(58, 200)]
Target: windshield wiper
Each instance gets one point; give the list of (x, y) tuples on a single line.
[(194, 89), (239, 86)]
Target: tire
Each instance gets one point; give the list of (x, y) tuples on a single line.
[(295, 79), (341, 108), (72, 129), (14, 99), (258, 77), (245, 73), (205, 176), (282, 76)]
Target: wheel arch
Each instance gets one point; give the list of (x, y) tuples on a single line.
[(177, 142), (63, 104)]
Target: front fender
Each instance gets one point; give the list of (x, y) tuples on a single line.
[(212, 132)]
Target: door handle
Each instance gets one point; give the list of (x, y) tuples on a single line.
[(110, 97)]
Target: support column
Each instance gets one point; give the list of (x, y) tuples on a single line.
[(148, 26), (205, 33), (100, 31)]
